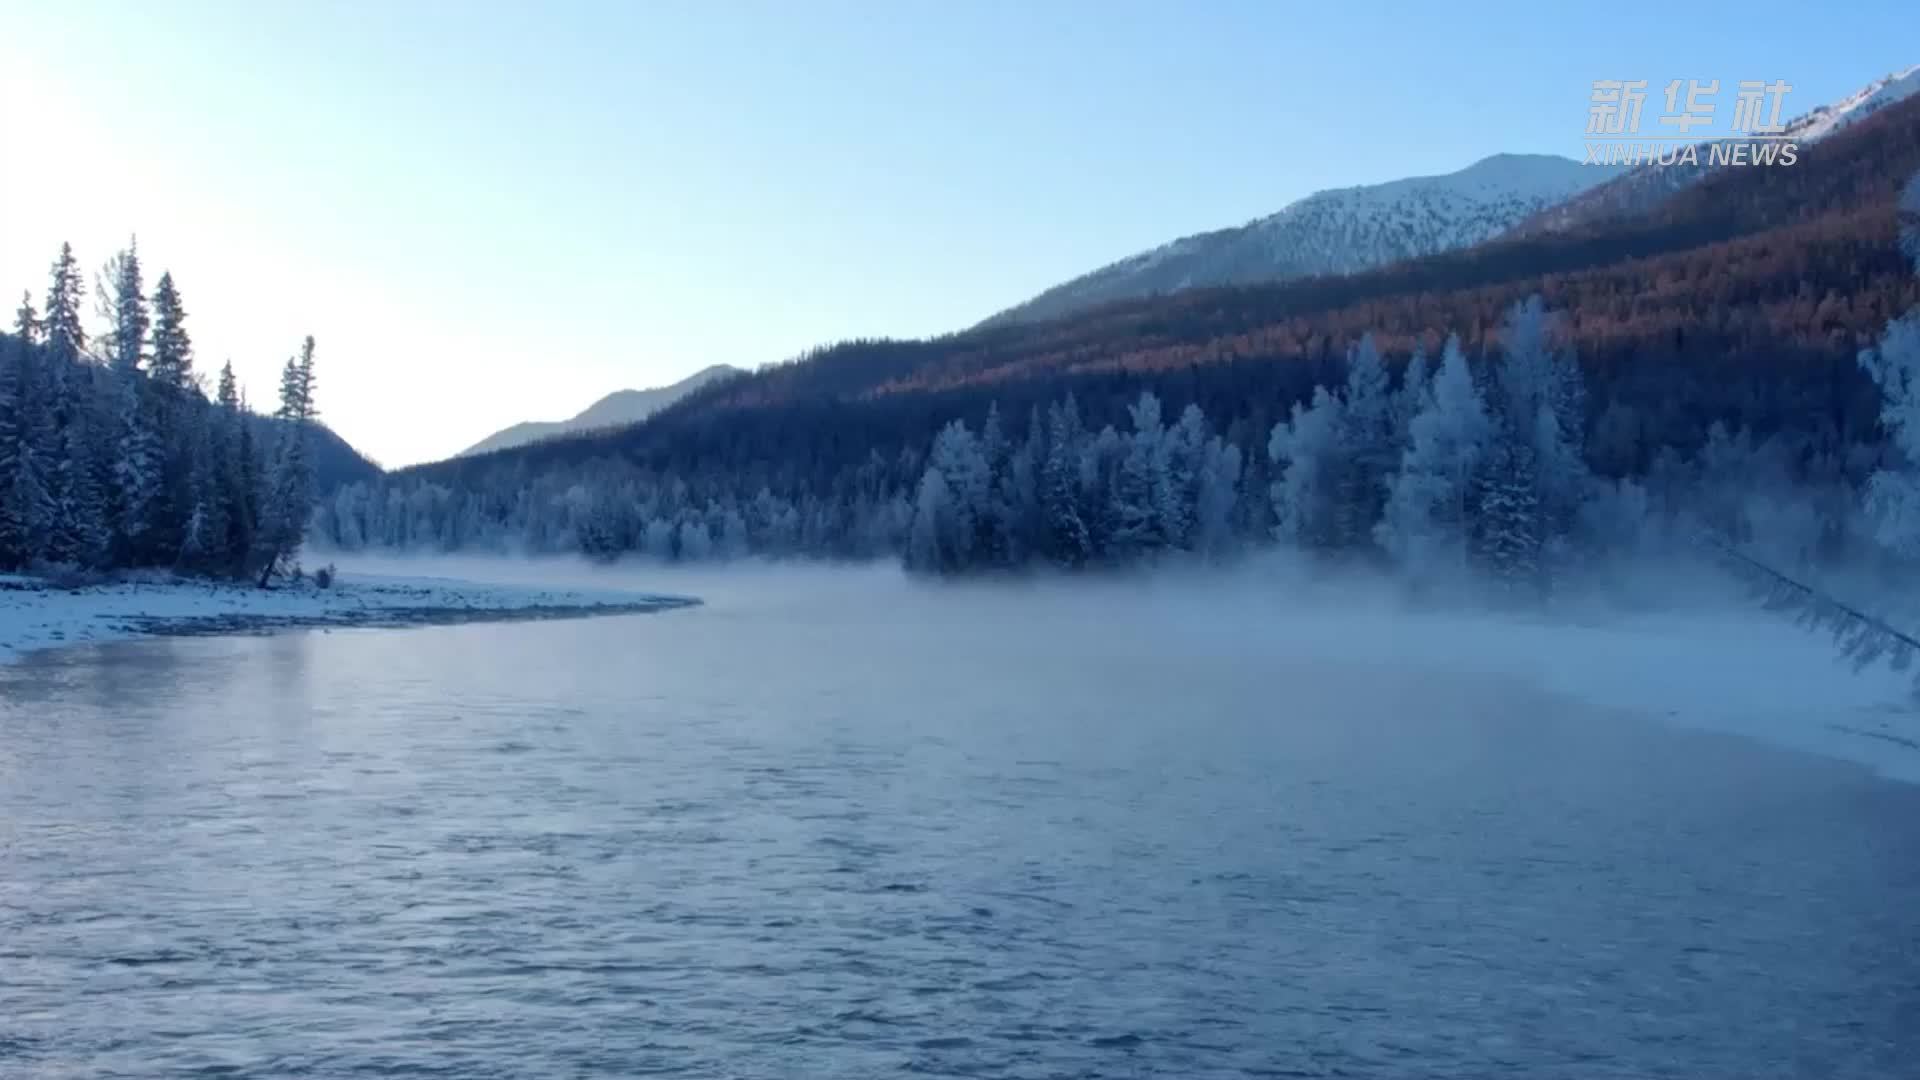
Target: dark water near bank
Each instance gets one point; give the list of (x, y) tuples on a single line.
[(912, 834)]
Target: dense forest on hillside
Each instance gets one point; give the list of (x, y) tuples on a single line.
[(1708, 375), (112, 455)]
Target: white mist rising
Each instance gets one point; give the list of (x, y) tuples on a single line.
[(1672, 642)]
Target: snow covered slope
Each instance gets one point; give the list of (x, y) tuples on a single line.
[(35, 615), (617, 409), (1335, 232), (1641, 189)]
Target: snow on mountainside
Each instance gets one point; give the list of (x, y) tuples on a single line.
[(1645, 186), (1338, 231), (615, 410)]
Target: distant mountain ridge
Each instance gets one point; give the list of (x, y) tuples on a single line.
[(1337, 231), (615, 410), (1640, 189)]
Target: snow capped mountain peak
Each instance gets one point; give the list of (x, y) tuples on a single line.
[(1336, 231), (1819, 123)]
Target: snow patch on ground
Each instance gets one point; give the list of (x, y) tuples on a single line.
[(35, 615)]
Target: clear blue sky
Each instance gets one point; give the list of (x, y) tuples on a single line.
[(489, 213)]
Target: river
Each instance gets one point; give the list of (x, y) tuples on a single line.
[(861, 829)]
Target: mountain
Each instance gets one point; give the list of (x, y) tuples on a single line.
[(1741, 299), (1646, 186), (618, 409), (1339, 231), (1733, 314), (335, 461)]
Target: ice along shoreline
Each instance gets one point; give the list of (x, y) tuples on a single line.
[(36, 614)]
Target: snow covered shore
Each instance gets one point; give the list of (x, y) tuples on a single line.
[(37, 615)]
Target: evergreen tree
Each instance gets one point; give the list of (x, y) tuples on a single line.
[(11, 525), (1426, 521), (80, 535), (27, 452), (1216, 499), (1507, 523), (245, 544), (999, 541), (290, 484), (26, 324), (930, 544), (1893, 492), (173, 412), (1132, 513), (1177, 478), (1415, 382), (204, 537), (1307, 452), (1542, 403), (1070, 543), (229, 519), (1367, 451), (125, 304), (172, 349), (136, 468), (65, 338), (951, 506)]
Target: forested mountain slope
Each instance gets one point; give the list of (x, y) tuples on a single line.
[(618, 409), (1754, 288), (1738, 307)]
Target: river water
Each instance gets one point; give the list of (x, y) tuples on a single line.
[(872, 830)]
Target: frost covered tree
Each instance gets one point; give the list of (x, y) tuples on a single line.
[(1427, 512), (1183, 456), (1408, 398), (173, 393), (172, 348), (135, 470), (997, 537), (696, 544), (951, 506), (1367, 452), (930, 544), (1538, 418), (1070, 542), (123, 304), (60, 328), (1506, 536), (1217, 498), (28, 453), (26, 323), (1893, 493), (133, 473), (1333, 458), (289, 499), (232, 473), (1892, 498), (1133, 510), (112, 456), (1307, 452), (80, 535)]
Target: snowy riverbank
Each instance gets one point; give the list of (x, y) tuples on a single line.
[(37, 615)]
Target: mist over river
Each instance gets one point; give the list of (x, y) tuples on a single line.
[(835, 824)]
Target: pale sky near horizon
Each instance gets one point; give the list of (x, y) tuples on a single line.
[(488, 213)]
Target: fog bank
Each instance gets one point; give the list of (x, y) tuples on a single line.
[(1677, 644)]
